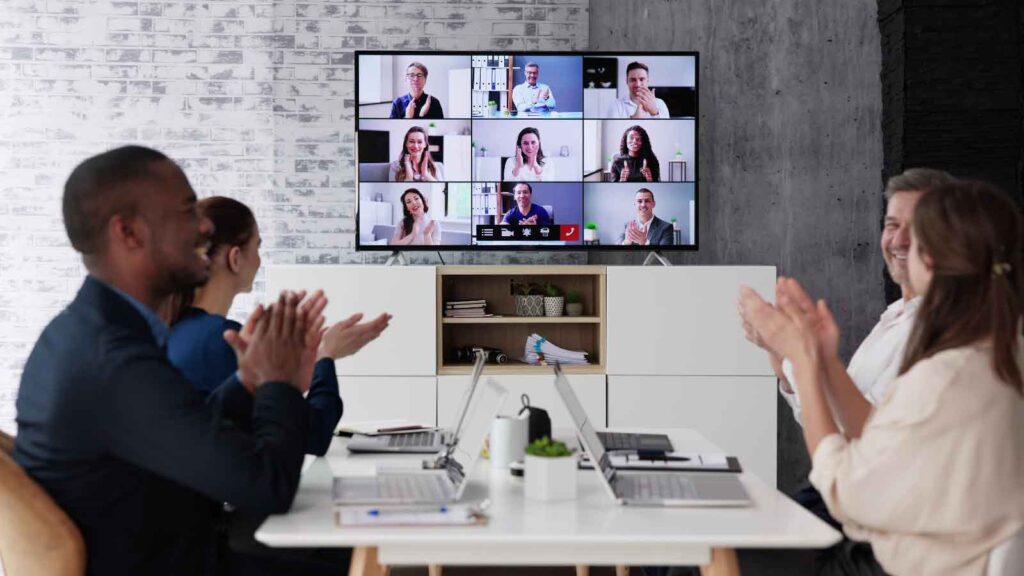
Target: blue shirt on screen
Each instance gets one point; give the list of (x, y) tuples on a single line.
[(198, 349), (513, 216)]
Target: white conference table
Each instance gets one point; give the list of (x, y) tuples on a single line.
[(590, 530)]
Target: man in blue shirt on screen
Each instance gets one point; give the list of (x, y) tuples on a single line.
[(532, 96), (525, 212)]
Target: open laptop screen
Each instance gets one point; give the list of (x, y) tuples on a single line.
[(483, 407), (591, 441)]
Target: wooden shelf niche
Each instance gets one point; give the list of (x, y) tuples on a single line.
[(508, 332)]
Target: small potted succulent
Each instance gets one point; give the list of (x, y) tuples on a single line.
[(554, 300), (432, 129), (529, 298), (550, 470), (492, 107), (573, 303), (590, 232)]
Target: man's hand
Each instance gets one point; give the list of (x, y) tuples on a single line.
[(277, 337), (785, 330), (819, 318), (530, 220), (410, 108), (545, 93), (634, 235), (426, 106), (349, 336)]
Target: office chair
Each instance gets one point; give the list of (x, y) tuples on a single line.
[(36, 537), (1007, 559)]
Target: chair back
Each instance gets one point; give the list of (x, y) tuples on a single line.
[(36, 537), (1007, 559)]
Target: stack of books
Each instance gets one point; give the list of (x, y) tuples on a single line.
[(466, 309), (540, 351)]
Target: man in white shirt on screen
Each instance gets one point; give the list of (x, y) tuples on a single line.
[(532, 96), (641, 102), (646, 229), (876, 362)]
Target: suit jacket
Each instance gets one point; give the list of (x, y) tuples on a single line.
[(138, 459), (659, 233)]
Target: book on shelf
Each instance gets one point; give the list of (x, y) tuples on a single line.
[(467, 313), (464, 303)]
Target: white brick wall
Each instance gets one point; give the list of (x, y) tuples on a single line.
[(253, 99)]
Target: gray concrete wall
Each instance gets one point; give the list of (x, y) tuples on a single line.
[(790, 146)]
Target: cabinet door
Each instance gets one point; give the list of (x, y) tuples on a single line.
[(589, 388), (682, 320), (407, 347), (382, 398), (738, 414)]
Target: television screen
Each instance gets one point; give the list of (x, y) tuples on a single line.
[(526, 151)]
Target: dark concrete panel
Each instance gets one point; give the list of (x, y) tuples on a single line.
[(790, 146)]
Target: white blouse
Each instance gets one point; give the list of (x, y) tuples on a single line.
[(526, 174), (936, 479)]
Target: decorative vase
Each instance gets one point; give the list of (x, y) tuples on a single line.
[(550, 478), (531, 305), (553, 305), (574, 309), (589, 235)]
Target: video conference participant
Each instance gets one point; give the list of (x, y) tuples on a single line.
[(636, 161), (528, 163), (416, 228), (140, 461), (525, 212), (646, 229), (930, 483), (875, 364), (415, 162), (416, 103), (641, 102), (533, 95)]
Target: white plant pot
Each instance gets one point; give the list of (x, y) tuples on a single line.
[(589, 235), (550, 478), (553, 305)]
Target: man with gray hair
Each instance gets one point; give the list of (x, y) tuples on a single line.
[(876, 362), (532, 96)]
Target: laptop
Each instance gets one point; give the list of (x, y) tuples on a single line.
[(432, 486), (427, 441), (635, 442), (649, 488)]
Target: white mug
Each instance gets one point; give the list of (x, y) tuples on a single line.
[(508, 440)]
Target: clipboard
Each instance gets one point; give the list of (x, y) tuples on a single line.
[(392, 516)]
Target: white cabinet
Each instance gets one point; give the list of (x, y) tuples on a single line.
[(407, 347), (682, 320), (541, 389), (736, 413), (389, 398)]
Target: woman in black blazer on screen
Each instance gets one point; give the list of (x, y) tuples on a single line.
[(636, 161)]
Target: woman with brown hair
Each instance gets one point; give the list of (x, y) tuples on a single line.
[(932, 482), (414, 162), (416, 227)]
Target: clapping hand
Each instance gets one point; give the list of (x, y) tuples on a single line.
[(634, 234), (648, 101), (426, 106), (430, 228), (270, 346), (347, 337), (519, 161), (786, 329), (646, 172), (410, 109), (529, 221), (544, 94)]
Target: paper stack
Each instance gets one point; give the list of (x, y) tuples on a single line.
[(540, 351), (466, 309)]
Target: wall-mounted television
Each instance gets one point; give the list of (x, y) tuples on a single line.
[(526, 151)]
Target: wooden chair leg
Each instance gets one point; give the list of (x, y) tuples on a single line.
[(621, 570), (723, 563), (434, 570), (364, 562), (582, 570)]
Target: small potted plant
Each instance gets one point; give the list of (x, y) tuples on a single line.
[(574, 303), (492, 107), (550, 470), (529, 298), (431, 129), (554, 300), (590, 232)]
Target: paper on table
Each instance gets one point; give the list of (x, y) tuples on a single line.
[(375, 427), (447, 515)]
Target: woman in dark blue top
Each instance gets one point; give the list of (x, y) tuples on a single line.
[(197, 345)]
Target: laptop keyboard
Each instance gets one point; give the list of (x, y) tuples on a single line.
[(411, 487), (657, 487), (619, 440), (412, 440)]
